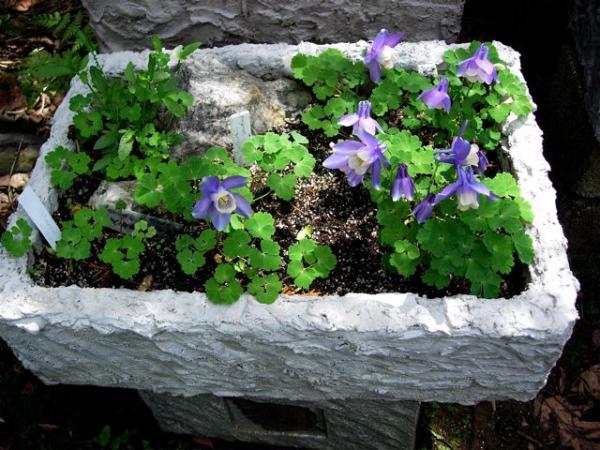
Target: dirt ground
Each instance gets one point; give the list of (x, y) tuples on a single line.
[(565, 414)]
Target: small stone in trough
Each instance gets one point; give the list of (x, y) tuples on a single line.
[(117, 197), (219, 92)]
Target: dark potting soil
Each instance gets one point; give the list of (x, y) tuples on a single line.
[(340, 216)]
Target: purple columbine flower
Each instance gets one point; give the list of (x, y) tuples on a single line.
[(424, 209), (219, 203), (466, 189), (403, 185), (437, 97), (361, 120), (478, 67), (381, 53), (461, 152), (482, 161), (355, 159)]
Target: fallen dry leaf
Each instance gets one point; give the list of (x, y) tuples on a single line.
[(4, 203), (48, 427), (596, 338), (574, 432), (146, 283), (16, 181), (12, 100), (42, 109), (24, 5), (562, 381), (589, 382), (28, 388), (205, 441), (537, 406)]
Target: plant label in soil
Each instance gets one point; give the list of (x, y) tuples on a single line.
[(239, 123), (40, 216)]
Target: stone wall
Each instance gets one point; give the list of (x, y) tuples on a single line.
[(126, 24), (586, 31)]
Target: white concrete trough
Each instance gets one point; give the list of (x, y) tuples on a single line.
[(303, 350)]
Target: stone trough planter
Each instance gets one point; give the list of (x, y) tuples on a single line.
[(368, 352)]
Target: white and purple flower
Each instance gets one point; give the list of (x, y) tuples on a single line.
[(466, 189), (437, 97), (424, 208), (403, 185), (381, 53), (219, 203), (463, 153), (478, 67), (482, 162), (361, 120), (355, 159)]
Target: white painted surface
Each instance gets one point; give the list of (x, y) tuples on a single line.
[(40, 216), (239, 124), (388, 346)]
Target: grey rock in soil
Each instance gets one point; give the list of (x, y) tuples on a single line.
[(9, 150), (220, 91), (123, 220), (124, 25)]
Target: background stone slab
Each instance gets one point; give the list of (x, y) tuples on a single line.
[(126, 24)]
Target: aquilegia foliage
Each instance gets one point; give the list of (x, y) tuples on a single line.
[(431, 151)]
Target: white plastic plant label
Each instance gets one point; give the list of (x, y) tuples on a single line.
[(40, 216), (239, 124)]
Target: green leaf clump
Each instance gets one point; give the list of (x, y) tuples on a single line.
[(78, 234), (480, 245), (284, 157), (309, 261), (329, 73), (191, 251), (48, 73), (17, 239), (120, 116), (223, 287), (261, 225), (265, 288), (123, 254), (66, 166)]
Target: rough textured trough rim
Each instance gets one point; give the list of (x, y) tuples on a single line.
[(541, 317)]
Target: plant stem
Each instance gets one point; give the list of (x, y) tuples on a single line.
[(435, 169), (262, 196)]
